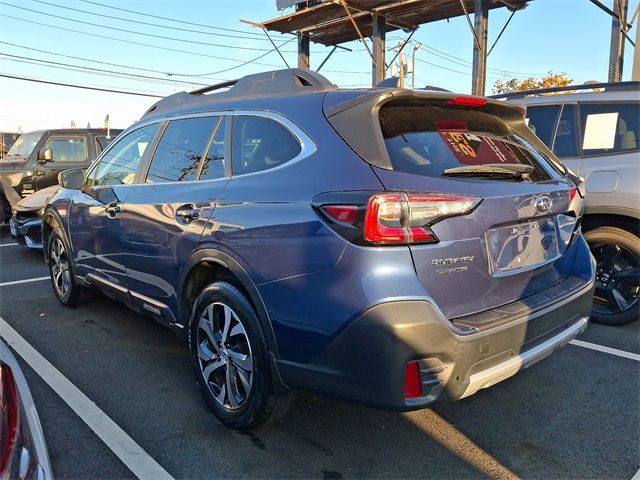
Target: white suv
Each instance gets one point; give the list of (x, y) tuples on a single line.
[(594, 130)]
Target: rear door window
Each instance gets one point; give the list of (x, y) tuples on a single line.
[(102, 142), (425, 140), (261, 143), (180, 150), (610, 128), (542, 121), (566, 142)]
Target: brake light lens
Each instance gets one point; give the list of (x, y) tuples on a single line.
[(9, 416), (412, 384), (472, 102), (393, 218)]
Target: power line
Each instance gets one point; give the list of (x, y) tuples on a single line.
[(141, 69), (98, 70), (190, 30), (131, 42), (133, 32), (110, 7), (84, 87), (497, 70)]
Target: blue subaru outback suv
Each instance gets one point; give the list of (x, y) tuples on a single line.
[(385, 246)]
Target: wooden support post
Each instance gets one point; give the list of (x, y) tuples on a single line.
[(378, 68), (480, 26)]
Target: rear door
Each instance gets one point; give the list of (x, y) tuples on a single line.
[(165, 214), (611, 155), (511, 244)]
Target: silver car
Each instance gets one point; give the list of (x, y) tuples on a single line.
[(595, 131)]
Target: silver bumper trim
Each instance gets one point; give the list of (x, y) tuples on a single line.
[(504, 370)]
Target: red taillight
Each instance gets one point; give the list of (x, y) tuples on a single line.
[(393, 218), (473, 102), (342, 213), (412, 384), (572, 193), (9, 416)]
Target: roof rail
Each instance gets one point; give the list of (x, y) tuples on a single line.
[(287, 81), (610, 87)]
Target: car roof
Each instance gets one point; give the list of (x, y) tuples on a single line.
[(95, 131)]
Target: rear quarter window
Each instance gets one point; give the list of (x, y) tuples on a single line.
[(260, 143), (425, 140)]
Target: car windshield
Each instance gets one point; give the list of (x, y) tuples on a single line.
[(24, 145), (430, 140)]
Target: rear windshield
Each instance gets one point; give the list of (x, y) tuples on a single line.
[(425, 140)]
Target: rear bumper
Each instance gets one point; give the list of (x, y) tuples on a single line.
[(366, 362), (27, 232)]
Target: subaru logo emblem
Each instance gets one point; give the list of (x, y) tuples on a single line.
[(543, 203)]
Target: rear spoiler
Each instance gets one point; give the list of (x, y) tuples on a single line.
[(354, 115)]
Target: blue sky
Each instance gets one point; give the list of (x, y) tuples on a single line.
[(570, 36)]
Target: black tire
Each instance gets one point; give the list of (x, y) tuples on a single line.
[(238, 386), (65, 288), (617, 254)]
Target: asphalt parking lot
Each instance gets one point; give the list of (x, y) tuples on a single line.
[(574, 415)]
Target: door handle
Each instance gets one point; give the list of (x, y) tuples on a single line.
[(112, 210), (188, 212)]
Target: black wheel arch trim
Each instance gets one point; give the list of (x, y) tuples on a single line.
[(210, 255), (52, 213)]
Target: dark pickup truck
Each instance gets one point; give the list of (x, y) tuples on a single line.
[(36, 158)]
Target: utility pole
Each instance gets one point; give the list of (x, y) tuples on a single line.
[(635, 73), (416, 46), (618, 29)]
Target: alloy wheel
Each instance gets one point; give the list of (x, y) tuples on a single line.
[(617, 279), (224, 355), (60, 270)]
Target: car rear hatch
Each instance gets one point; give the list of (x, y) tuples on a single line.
[(489, 214)]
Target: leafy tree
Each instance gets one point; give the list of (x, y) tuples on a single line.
[(549, 80)]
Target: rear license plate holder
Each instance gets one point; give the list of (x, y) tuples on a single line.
[(522, 246)]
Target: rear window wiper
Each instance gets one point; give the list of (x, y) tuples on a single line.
[(491, 170)]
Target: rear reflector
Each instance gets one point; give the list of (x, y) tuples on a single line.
[(342, 213), (9, 416), (473, 102), (412, 385), (393, 218)]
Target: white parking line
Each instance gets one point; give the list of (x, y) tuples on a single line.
[(601, 348), (7, 244), (127, 450), (16, 282), (636, 476)]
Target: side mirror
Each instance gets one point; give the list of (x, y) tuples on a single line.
[(45, 156), (72, 179)]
